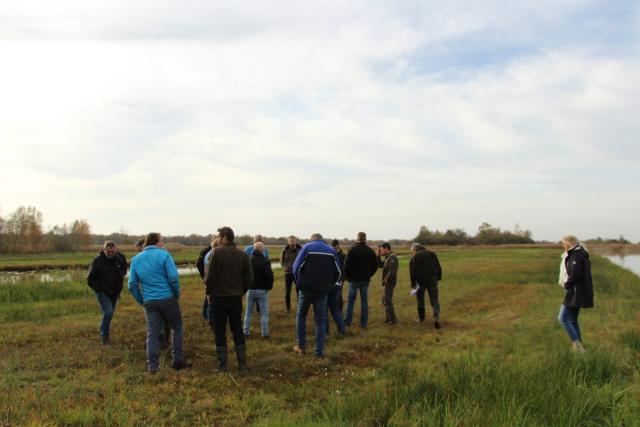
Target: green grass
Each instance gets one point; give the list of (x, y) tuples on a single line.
[(501, 358)]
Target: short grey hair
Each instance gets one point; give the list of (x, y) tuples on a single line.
[(316, 236), (258, 246), (415, 246)]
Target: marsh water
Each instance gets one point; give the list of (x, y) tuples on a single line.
[(75, 275), (631, 262)]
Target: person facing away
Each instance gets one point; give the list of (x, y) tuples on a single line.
[(165, 331), (575, 273), (316, 271), (360, 264), (105, 278), (201, 264), (153, 283), (287, 257), (249, 249), (389, 277), (227, 279), (259, 290), (425, 273)]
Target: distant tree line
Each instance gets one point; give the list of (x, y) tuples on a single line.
[(619, 240), (486, 235), (22, 232)]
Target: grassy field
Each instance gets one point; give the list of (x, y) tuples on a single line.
[(501, 358)]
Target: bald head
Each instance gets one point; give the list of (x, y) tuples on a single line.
[(258, 246)]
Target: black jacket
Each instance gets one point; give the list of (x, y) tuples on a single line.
[(200, 261), (262, 273), (423, 267), (361, 263), (288, 256), (579, 285), (106, 274), (341, 256)]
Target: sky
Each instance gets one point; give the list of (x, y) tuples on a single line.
[(295, 117)]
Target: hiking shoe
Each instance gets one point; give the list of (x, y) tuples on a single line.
[(104, 339), (577, 347), (392, 322), (298, 349), (180, 365), (266, 337)]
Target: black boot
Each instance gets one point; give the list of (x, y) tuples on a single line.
[(221, 352), (421, 314), (242, 357)]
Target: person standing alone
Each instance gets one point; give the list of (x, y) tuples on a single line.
[(105, 278), (425, 273), (361, 263), (575, 277)]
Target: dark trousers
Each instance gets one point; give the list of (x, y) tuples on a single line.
[(387, 303), (159, 311), (431, 286), (289, 281), (224, 308)]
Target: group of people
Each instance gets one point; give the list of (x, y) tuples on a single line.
[(317, 270)]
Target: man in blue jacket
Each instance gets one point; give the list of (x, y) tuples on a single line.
[(153, 282), (316, 271)]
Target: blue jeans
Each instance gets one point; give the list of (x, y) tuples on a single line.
[(568, 317), (333, 306), (261, 297), (319, 301), (363, 287), (107, 306), (157, 312)]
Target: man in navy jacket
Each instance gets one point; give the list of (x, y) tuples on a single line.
[(316, 271)]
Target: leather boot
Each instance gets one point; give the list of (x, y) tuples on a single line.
[(421, 313), (221, 352), (242, 357)]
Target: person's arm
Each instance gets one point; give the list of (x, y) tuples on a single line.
[(247, 275), (124, 265), (172, 275), (282, 257), (134, 284), (574, 271), (268, 274), (393, 271), (438, 268), (412, 275), (298, 262), (374, 263), (92, 279)]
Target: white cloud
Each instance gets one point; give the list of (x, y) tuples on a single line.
[(321, 119)]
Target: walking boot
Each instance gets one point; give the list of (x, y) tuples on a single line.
[(221, 352), (421, 314), (242, 357), (436, 321), (577, 347)]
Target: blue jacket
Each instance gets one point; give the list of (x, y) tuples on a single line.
[(153, 275), (316, 268)]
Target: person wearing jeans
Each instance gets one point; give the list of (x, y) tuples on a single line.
[(153, 282), (258, 293), (360, 265), (317, 271), (227, 278), (575, 277), (105, 278)]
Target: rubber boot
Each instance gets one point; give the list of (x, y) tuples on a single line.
[(221, 352), (242, 357)]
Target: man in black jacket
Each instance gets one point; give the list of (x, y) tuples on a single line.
[(360, 265), (425, 273), (105, 278), (259, 291), (288, 256)]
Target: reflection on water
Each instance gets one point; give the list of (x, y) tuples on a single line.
[(54, 276), (631, 262)]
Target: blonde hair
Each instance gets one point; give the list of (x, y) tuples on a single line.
[(572, 240)]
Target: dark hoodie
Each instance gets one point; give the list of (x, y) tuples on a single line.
[(579, 284)]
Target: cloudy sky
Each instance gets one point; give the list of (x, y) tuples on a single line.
[(289, 117)]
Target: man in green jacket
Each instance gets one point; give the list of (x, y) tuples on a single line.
[(228, 278), (389, 277)]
